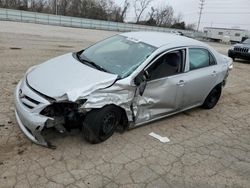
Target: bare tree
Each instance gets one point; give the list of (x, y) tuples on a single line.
[(37, 5), (63, 7), (152, 13), (24, 5), (191, 26), (124, 10), (139, 7), (93, 9), (164, 16), (117, 13), (74, 7), (11, 3), (178, 18), (14, 4)]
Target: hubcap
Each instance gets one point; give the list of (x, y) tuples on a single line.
[(109, 122)]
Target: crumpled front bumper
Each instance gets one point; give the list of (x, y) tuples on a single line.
[(28, 116)]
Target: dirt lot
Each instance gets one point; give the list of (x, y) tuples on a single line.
[(206, 148)]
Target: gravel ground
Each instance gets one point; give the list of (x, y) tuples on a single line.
[(207, 148)]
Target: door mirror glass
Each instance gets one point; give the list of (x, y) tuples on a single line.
[(146, 74), (143, 76), (142, 87), (141, 81)]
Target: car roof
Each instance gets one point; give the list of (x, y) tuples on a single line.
[(159, 39)]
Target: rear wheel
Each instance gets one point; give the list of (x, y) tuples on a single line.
[(212, 98), (100, 124)]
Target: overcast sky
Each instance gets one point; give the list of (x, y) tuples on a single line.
[(216, 13)]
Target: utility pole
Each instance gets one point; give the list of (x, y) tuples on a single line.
[(56, 7), (202, 3)]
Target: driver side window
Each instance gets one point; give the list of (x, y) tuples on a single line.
[(169, 64)]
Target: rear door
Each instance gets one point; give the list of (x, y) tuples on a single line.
[(201, 77)]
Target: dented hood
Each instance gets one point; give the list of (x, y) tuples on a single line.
[(64, 75)]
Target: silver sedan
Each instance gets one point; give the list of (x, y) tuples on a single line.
[(121, 82)]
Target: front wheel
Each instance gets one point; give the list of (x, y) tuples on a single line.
[(100, 124), (212, 98)]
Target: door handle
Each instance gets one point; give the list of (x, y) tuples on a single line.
[(181, 83), (214, 73)]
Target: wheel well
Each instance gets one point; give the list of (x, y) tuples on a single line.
[(123, 124), (219, 86)]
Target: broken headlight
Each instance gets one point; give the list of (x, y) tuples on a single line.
[(59, 109), (62, 108)]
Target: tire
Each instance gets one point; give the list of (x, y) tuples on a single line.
[(212, 98), (101, 124), (231, 56)]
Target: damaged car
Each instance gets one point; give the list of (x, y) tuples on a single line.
[(121, 82)]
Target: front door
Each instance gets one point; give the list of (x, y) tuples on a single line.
[(163, 92)]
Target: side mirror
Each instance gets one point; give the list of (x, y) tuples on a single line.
[(142, 87), (146, 74), (143, 76), (141, 81)]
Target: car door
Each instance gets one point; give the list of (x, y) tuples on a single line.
[(164, 86), (201, 77)]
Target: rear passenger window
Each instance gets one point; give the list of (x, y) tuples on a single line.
[(200, 58)]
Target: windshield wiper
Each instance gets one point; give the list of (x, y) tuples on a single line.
[(90, 63)]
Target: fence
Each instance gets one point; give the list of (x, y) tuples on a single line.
[(50, 19)]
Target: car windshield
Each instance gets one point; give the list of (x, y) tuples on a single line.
[(118, 55), (247, 41)]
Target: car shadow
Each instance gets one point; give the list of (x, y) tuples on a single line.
[(242, 61)]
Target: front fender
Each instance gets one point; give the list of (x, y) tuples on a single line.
[(116, 95)]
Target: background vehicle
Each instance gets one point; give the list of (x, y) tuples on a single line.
[(127, 80), (240, 50), (219, 34)]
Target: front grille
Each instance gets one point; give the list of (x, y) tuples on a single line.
[(29, 102), (238, 49), (32, 100), (28, 106)]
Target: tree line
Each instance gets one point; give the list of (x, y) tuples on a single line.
[(162, 16)]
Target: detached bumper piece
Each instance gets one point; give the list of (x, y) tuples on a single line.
[(34, 135)]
